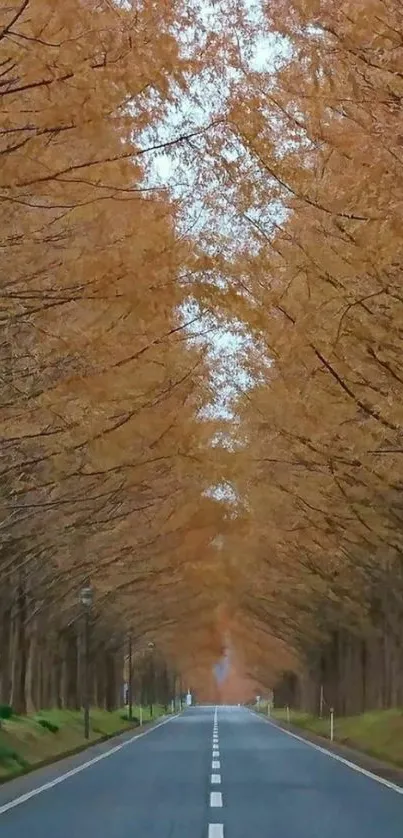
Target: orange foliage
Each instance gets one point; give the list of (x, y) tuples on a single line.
[(108, 466)]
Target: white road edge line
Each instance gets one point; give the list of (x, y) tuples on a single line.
[(215, 799), (46, 786), (338, 758), (216, 830), (215, 765), (216, 779)]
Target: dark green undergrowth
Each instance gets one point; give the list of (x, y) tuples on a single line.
[(27, 742)]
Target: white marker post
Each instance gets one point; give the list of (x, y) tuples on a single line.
[(288, 714), (331, 724), (141, 716), (268, 710)]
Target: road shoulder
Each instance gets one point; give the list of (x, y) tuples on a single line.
[(385, 770), (48, 774)]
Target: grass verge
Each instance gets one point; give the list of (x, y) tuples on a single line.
[(378, 733), (28, 742)]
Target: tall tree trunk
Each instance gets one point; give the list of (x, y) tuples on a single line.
[(32, 668)]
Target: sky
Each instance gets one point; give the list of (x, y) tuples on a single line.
[(227, 345)]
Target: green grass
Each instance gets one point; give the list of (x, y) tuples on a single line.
[(378, 733), (10, 757), (158, 711), (28, 741)]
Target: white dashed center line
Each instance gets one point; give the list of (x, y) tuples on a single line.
[(215, 799), (215, 830)]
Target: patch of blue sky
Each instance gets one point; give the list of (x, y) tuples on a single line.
[(224, 491), (209, 211), (271, 52), (221, 669), (227, 346), (265, 53)]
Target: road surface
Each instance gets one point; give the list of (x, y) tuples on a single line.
[(209, 773)]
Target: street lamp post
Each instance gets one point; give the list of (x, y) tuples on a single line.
[(86, 599), (150, 646)]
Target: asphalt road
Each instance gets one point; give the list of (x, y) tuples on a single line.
[(205, 774)]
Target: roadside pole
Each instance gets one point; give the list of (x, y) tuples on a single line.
[(86, 599), (130, 680)]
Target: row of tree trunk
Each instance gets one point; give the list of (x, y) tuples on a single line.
[(42, 662), (350, 673)]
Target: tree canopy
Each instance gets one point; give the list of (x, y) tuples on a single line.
[(245, 503)]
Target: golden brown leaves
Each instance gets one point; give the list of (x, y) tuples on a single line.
[(104, 460)]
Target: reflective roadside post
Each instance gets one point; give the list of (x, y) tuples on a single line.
[(86, 599)]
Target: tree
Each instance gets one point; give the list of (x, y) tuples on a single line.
[(103, 450), (309, 161)]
